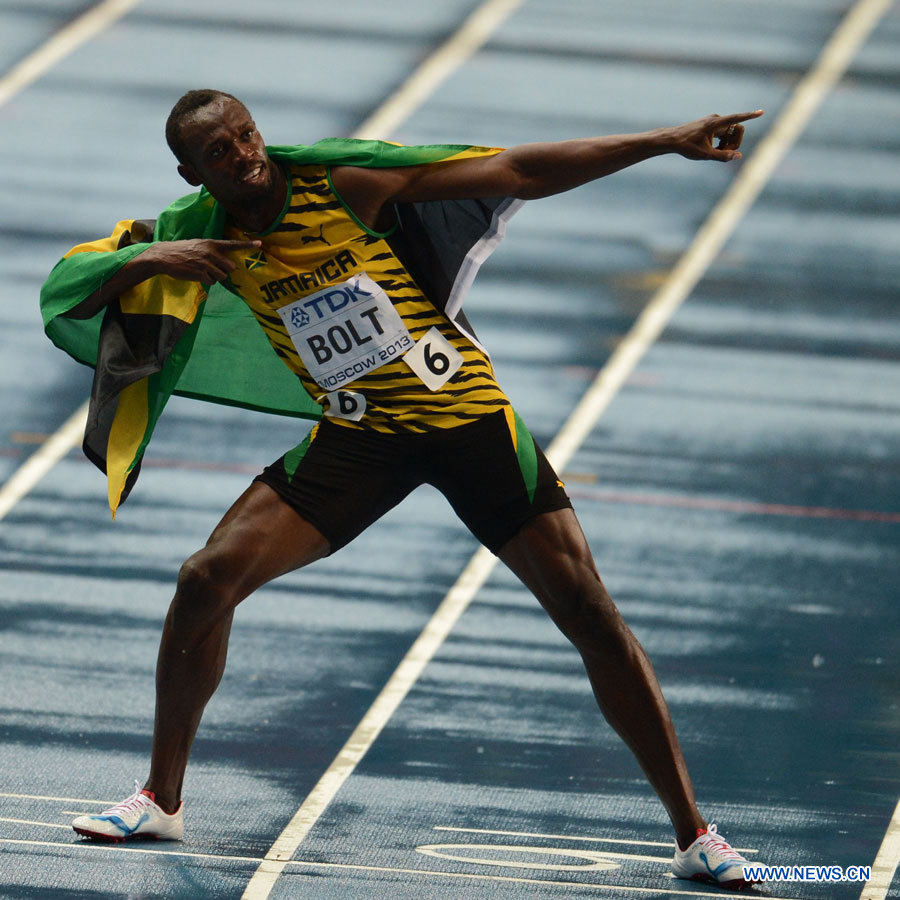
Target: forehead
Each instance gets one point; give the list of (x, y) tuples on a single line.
[(217, 120)]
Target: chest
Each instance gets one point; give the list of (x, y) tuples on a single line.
[(314, 243)]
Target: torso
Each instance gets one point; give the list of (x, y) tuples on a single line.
[(342, 312)]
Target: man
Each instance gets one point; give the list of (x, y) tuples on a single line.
[(408, 396)]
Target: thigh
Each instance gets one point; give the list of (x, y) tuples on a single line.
[(258, 539), (551, 557), (342, 479), (496, 477)]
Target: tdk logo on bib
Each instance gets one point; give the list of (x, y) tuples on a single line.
[(335, 299), (345, 331)]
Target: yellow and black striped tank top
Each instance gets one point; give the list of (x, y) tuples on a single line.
[(344, 314)]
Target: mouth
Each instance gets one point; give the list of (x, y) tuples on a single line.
[(255, 174)]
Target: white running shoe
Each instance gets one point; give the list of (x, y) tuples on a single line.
[(713, 860), (138, 816)]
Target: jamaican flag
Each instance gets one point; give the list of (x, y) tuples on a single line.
[(165, 336)]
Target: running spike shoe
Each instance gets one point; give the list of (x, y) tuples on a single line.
[(136, 817), (713, 860)]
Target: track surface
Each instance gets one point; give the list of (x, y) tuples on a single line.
[(742, 492)]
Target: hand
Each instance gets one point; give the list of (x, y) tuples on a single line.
[(695, 139), (203, 260)]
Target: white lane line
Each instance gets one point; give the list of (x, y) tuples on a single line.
[(669, 845), (886, 861), (311, 864), (42, 461), (737, 200), (437, 68), (809, 93), (98, 847), (32, 822), (57, 799), (61, 44), (599, 859)]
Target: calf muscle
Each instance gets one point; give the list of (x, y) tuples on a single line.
[(258, 539), (551, 557)]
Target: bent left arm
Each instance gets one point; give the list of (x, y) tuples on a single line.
[(530, 171)]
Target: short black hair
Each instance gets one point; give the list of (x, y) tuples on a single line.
[(184, 109)]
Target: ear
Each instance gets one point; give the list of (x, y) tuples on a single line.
[(189, 174)]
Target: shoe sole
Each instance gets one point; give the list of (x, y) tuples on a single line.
[(736, 884), (119, 839)]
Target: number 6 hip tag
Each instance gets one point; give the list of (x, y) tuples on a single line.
[(434, 359)]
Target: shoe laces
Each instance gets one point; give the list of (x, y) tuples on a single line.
[(130, 804), (719, 844)]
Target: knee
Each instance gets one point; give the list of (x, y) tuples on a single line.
[(593, 623), (203, 594)]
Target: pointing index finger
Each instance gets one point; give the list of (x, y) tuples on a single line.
[(734, 118)]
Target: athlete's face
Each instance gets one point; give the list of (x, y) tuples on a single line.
[(226, 154)]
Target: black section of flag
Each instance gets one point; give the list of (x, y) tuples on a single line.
[(131, 347), (434, 238)]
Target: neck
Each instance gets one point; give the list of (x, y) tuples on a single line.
[(259, 214)]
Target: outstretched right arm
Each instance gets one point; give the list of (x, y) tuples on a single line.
[(200, 259)]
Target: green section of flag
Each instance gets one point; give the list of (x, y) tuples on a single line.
[(69, 283), (231, 362)]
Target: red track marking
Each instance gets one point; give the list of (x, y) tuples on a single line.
[(683, 501), (157, 463), (201, 466), (631, 498)]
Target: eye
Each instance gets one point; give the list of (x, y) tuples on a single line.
[(248, 133)]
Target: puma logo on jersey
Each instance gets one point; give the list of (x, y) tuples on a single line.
[(312, 239)]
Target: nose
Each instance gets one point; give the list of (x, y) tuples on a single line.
[(244, 152)]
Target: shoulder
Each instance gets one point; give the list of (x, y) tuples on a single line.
[(352, 179), (364, 192), (306, 173)]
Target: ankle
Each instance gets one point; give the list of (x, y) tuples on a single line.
[(686, 836), (167, 803)]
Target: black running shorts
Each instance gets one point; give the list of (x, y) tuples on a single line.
[(342, 479)]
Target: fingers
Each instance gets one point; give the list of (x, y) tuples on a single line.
[(218, 265), (730, 134), (228, 246), (199, 259), (216, 273), (724, 155), (220, 274), (731, 137)]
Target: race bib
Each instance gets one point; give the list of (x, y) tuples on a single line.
[(345, 331), (346, 405), (434, 359)]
